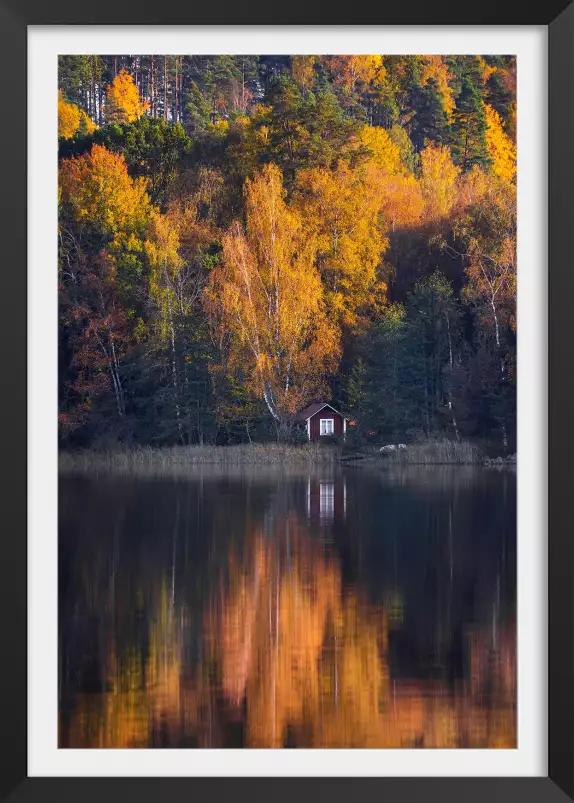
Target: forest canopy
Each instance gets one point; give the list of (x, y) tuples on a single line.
[(240, 236)]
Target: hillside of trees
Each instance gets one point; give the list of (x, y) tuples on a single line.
[(240, 236)]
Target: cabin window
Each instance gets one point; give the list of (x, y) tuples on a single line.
[(327, 426)]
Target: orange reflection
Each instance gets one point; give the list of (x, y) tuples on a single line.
[(290, 657)]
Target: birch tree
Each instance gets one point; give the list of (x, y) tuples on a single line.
[(341, 206), (489, 229), (266, 302)]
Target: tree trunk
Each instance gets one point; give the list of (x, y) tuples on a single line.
[(120, 392), (270, 401), (152, 87), (174, 365), (451, 365), (502, 367), (116, 383), (426, 389), (174, 379), (165, 87), (116, 388), (176, 93)]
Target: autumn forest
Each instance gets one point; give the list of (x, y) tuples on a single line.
[(240, 236)]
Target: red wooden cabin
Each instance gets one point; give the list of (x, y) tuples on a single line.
[(322, 420)]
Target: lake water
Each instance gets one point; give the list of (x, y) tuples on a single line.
[(360, 608)]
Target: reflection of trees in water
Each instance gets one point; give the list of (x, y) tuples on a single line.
[(289, 656), (293, 650), (140, 704)]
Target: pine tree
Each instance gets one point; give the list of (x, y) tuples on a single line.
[(356, 392), (498, 96), (429, 123), (468, 128)]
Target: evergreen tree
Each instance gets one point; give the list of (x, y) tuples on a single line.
[(219, 87), (395, 378), (289, 136), (498, 95), (153, 149), (356, 393), (468, 128), (429, 123), (329, 129)]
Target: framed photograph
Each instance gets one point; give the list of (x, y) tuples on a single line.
[(294, 515)]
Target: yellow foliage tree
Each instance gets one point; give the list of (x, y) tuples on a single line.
[(384, 152), (124, 102), (72, 119), (438, 180), (302, 70), (486, 70), (472, 187), (87, 125), (166, 266), (173, 242), (398, 193), (341, 208), (266, 301), (488, 225), (163, 251), (352, 72), (501, 148), (103, 196), (68, 117), (435, 67)]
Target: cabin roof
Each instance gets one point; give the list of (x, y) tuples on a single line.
[(313, 409)]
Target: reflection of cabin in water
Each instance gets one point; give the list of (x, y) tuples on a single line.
[(322, 420), (327, 499)]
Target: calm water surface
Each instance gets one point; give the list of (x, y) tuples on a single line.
[(254, 609)]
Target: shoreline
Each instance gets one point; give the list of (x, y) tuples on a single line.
[(285, 456)]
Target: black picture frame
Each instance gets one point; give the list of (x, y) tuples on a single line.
[(15, 16)]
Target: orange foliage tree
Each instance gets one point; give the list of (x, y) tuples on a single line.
[(266, 301), (125, 104), (103, 213), (401, 202)]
